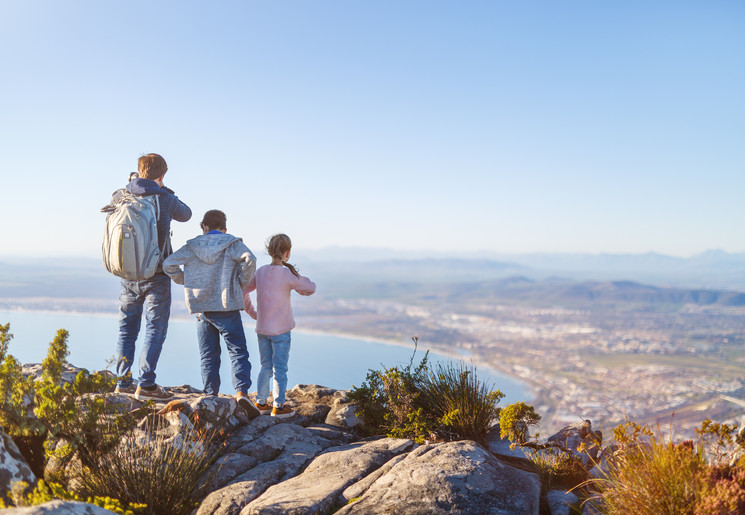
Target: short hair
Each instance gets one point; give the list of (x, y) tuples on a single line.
[(151, 166), (215, 220)]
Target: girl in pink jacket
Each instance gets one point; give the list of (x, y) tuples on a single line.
[(273, 314)]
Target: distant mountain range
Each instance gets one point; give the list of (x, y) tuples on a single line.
[(713, 269), (711, 277)]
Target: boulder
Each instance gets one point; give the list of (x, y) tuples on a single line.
[(58, 507), (343, 413), (13, 466), (576, 435), (455, 477), (561, 502), (319, 488)]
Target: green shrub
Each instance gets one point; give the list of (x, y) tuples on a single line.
[(45, 492), (416, 402), (49, 418), (515, 421), (460, 406), (559, 469), (389, 401), (164, 473)]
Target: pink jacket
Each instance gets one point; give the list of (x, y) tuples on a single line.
[(273, 285)]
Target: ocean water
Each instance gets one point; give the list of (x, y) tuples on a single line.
[(333, 361)]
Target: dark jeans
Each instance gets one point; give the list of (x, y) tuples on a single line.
[(155, 295), (210, 325)]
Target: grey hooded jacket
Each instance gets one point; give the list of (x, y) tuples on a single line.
[(215, 268)]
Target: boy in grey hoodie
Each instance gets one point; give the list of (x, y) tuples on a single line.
[(216, 265)]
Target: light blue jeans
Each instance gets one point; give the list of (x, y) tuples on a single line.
[(274, 352), (154, 295)]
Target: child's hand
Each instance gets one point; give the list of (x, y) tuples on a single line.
[(252, 314)]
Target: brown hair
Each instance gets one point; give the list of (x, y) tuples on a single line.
[(151, 166), (215, 220), (277, 246)]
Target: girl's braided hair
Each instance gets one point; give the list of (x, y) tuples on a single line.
[(277, 246)]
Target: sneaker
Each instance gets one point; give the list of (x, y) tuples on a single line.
[(283, 412), (264, 409), (248, 406), (154, 393), (129, 389)]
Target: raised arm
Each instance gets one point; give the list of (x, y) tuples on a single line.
[(304, 286)]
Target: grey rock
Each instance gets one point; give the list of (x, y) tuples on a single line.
[(227, 468), (343, 413), (575, 435), (456, 477), (502, 446), (361, 486), (249, 432), (318, 489), (13, 466), (58, 507), (288, 447), (560, 502), (331, 433), (69, 372)]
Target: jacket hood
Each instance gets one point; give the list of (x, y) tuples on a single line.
[(208, 247), (140, 186)]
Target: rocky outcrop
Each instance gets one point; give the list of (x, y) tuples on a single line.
[(13, 466), (316, 462), (456, 477)]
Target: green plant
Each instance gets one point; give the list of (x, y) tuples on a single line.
[(459, 405), (49, 417), (722, 442), (515, 421), (648, 474), (559, 468), (417, 402), (389, 401), (45, 492), (162, 472)]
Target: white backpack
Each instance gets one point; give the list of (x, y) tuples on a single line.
[(130, 242)]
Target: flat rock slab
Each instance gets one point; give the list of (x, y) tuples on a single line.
[(282, 451), (318, 489), (456, 477)]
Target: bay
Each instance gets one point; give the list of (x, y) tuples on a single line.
[(338, 362)]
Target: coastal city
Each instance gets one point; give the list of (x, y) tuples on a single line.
[(662, 368)]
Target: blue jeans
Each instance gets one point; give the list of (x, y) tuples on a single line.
[(274, 352), (155, 295), (210, 325)]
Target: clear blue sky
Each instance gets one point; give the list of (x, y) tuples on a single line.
[(577, 126)]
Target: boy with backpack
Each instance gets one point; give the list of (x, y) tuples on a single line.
[(216, 266), (136, 241)]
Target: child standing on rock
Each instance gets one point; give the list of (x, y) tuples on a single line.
[(274, 321), (216, 265)]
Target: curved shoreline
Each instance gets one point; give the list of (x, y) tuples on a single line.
[(475, 361)]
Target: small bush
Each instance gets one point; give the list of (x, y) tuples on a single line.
[(164, 473), (515, 421), (420, 403), (389, 401), (648, 475), (559, 469), (461, 406)]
